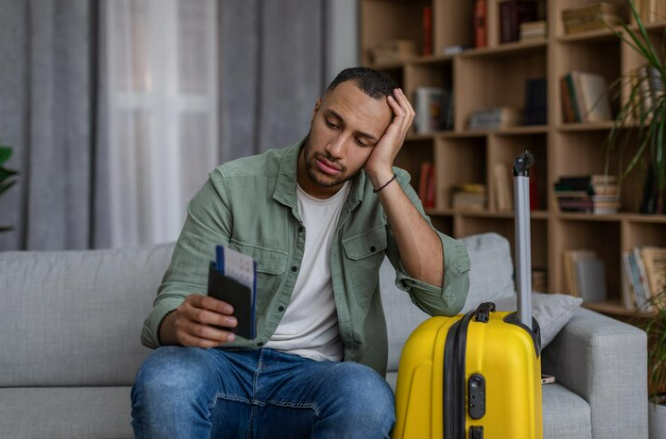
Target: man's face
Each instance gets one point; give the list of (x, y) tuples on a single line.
[(346, 125)]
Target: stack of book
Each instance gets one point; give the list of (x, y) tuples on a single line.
[(512, 14), (495, 118), (536, 107), (393, 51), (585, 275), (584, 98), (533, 30), (592, 17), (644, 277), (469, 196), (596, 194), (434, 109), (427, 185), (650, 87)]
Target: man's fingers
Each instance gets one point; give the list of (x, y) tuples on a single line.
[(212, 318), (211, 303), (193, 329), (407, 109), (189, 340)]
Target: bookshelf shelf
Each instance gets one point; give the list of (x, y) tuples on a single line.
[(506, 49), (616, 309), (607, 34), (535, 214), (496, 76)]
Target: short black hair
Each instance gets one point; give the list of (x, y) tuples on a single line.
[(370, 81)]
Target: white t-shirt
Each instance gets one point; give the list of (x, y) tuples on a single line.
[(309, 327)]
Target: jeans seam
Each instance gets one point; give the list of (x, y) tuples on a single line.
[(296, 405), (229, 398)]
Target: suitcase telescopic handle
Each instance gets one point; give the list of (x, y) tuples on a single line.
[(521, 191)]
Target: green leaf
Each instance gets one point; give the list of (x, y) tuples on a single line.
[(5, 186), (5, 154), (6, 173)]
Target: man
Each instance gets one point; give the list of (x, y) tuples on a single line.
[(319, 217)]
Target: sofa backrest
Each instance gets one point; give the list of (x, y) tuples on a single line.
[(74, 318)]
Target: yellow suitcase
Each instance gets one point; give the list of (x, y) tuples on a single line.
[(497, 395), (478, 375)]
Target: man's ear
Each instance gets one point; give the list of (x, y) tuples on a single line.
[(316, 108)]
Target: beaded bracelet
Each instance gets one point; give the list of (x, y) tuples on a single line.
[(387, 183)]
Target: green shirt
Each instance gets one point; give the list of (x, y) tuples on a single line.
[(250, 205)]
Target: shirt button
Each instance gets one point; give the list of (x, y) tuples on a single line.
[(280, 308), (372, 249), (294, 269)]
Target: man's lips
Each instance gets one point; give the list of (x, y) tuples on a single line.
[(327, 168)]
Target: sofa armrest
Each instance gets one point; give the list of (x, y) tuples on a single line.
[(605, 362)]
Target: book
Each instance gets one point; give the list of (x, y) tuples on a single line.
[(536, 107), (392, 51), (495, 118), (628, 291), (232, 278), (591, 280), (593, 9), (512, 14), (423, 180), (595, 102), (654, 260), (567, 108), (427, 105), (571, 257), (431, 189), (427, 30), (480, 24), (502, 175)]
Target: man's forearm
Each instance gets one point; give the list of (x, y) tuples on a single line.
[(420, 247)]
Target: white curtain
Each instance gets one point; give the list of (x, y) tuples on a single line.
[(162, 108)]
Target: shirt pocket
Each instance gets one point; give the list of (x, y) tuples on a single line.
[(365, 253), (271, 268)]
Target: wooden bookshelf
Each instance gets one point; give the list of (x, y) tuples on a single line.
[(496, 75)]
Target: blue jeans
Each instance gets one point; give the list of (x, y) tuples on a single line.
[(186, 392)]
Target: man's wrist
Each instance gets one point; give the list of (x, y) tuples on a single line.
[(380, 178)]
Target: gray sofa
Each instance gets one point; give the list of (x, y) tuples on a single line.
[(69, 349)]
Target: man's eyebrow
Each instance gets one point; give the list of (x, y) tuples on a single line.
[(337, 116)]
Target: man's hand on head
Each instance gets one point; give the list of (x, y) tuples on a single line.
[(192, 323), (379, 166)]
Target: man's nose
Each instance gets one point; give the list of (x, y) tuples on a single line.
[(336, 148)]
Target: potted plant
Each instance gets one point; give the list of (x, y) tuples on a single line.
[(649, 124), (656, 330), (6, 175)]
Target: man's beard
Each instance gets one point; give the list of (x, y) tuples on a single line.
[(309, 167)]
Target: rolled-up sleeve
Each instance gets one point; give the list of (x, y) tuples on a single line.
[(208, 224), (448, 299)]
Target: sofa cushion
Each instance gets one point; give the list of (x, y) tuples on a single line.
[(551, 311), (66, 412), (75, 317), (565, 414), (491, 269)]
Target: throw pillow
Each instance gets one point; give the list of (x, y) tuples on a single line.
[(551, 311)]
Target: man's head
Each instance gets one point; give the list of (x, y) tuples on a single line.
[(347, 122)]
